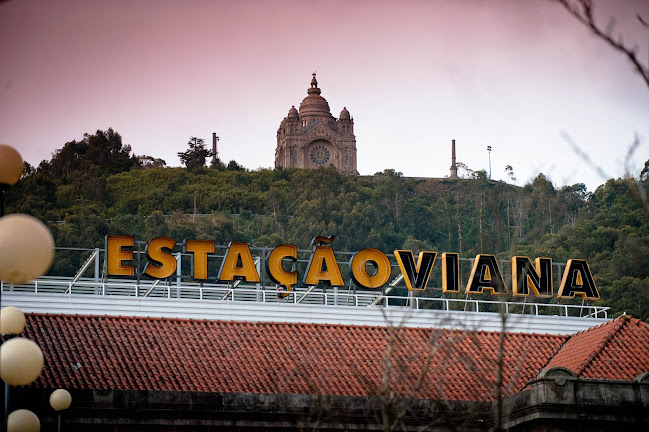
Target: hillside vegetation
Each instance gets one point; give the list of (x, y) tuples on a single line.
[(96, 186)]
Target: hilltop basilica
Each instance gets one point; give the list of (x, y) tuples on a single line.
[(312, 137)]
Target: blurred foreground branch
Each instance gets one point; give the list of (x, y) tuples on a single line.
[(583, 11)]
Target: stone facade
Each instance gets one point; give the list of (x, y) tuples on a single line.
[(313, 138)]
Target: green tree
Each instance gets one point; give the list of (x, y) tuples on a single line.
[(234, 166), (196, 156), (148, 162), (103, 150)]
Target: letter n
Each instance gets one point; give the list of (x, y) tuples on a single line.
[(525, 277)]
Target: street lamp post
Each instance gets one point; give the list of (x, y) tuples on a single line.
[(26, 253), (60, 400), (489, 150), (12, 323), (26, 244), (21, 362)]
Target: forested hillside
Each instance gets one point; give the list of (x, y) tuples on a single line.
[(95, 187)]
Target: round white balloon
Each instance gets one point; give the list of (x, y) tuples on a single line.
[(21, 361), (23, 420), (11, 165), (12, 320), (26, 248), (60, 399)]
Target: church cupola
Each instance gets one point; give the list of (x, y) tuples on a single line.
[(314, 105), (311, 137)]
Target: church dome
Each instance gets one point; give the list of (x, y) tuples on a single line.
[(314, 104), (344, 114), (292, 113)]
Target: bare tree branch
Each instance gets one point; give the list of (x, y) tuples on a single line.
[(582, 154), (583, 11)]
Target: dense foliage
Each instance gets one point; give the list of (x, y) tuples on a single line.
[(95, 187)]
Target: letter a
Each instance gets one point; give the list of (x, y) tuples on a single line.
[(238, 264), (577, 279), (486, 275)]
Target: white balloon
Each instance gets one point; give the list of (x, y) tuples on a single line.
[(11, 165), (26, 248), (60, 399), (12, 321), (21, 361), (23, 420)]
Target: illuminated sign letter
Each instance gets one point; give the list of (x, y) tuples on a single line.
[(486, 275), (200, 249), (116, 254), (238, 264), (416, 277), (274, 267), (161, 263), (450, 272), (526, 276), (577, 279), (358, 270), (323, 267)]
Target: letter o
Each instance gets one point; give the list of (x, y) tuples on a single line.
[(359, 274)]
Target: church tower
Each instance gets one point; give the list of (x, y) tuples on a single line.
[(312, 137)]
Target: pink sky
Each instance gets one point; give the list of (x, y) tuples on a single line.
[(413, 74)]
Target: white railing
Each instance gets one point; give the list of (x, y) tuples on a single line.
[(268, 294)]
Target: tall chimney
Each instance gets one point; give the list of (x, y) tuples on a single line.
[(453, 164), (215, 153)]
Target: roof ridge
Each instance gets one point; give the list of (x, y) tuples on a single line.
[(551, 358), (288, 323), (616, 325), (216, 321)]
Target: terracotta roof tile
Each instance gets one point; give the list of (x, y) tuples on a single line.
[(615, 350), (91, 352)]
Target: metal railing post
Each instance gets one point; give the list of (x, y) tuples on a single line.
[(179, 260), (96, 268)]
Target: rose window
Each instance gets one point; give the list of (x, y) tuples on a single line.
[(320, 155)]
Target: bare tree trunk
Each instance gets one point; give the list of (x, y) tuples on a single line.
[(396, 205), (520, 217), (459, 222), (509, 240), (499, 373), (480, 227)]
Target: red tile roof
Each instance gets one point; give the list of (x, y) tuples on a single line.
[(616, 350), (91, 352)]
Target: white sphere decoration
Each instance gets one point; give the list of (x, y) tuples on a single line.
[(23, 420), (11, 165), (26, 248), (60, 399), (21, 361), (12, 321)]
